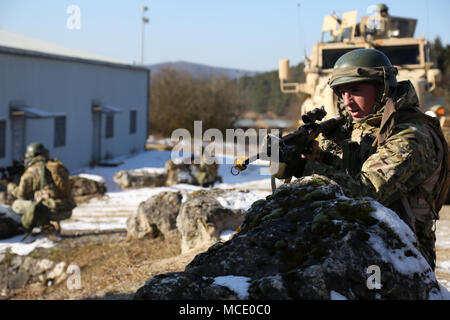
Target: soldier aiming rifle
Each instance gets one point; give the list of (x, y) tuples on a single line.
[(390, 151), (43, 197)]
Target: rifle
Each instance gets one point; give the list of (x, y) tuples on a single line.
[(293, 145), (12, 173)]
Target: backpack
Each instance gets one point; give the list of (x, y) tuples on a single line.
[(437, 201), (390, 119), (60, 176)]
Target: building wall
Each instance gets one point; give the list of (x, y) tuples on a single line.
[(69, 88)]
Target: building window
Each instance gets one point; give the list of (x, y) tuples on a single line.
[(133, 115), (2, 138), (60, 131), (109, 125)]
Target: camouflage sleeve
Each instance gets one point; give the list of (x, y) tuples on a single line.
[(27, 186), (406, 160), (403, 162), (331, 152)]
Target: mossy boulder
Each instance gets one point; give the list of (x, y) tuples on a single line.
[(309, 241)]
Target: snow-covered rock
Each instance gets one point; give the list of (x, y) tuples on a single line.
[(156, 216), (308, 241), (202, 219)]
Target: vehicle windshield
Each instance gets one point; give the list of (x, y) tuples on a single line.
[(401, 55), (398, 55), (330, 56)]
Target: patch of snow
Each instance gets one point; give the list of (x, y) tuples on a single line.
[(336, 296), (24, 247), (237, 284), (443, 266), (95, 224), (94, 177), (404, 264), (9, 212), (441, 294), (185, 177), (150, 170), (226, 235), (236, 200)]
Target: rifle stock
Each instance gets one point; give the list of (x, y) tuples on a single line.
[(12, 173)]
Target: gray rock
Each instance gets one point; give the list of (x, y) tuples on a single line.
[(202, 218), (82, 187), (307, 241), (139, 179), (4, 279), (19, 271), (172, 286), (57, 271), (16, 262), (10, 224), (18, 280), (156, 216), (41, 266)]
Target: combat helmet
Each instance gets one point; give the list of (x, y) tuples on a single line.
[(362, 65), (383, 9), (35, 149)]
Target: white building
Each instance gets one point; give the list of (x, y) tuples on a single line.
[(83, 108)]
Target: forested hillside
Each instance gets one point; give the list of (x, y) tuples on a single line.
[(178, 98), (263, 92), (442, 55)]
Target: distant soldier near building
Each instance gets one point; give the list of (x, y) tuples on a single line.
[(206, 174), (178, 173), (202, 174), (43, 195)]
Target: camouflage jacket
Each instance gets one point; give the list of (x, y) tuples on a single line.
[(30, 182), (394, 173)]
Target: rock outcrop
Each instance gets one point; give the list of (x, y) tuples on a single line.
[(202, 219), (156, 216), (129, 179), (198, 218), (84, 188), (18, 271), (307, 241)]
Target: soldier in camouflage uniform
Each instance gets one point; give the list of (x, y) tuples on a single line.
[(178, 173), (388, 149), (205, 174), (37, 187)]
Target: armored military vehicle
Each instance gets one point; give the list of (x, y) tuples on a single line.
[(392, 35)]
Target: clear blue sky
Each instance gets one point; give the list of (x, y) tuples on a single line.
[(241, 34)]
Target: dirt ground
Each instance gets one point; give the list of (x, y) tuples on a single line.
[(113, 267), (443, 252)]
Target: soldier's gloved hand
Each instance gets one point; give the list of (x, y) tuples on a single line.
[(283, 170), (315, 154), (11, 186)]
